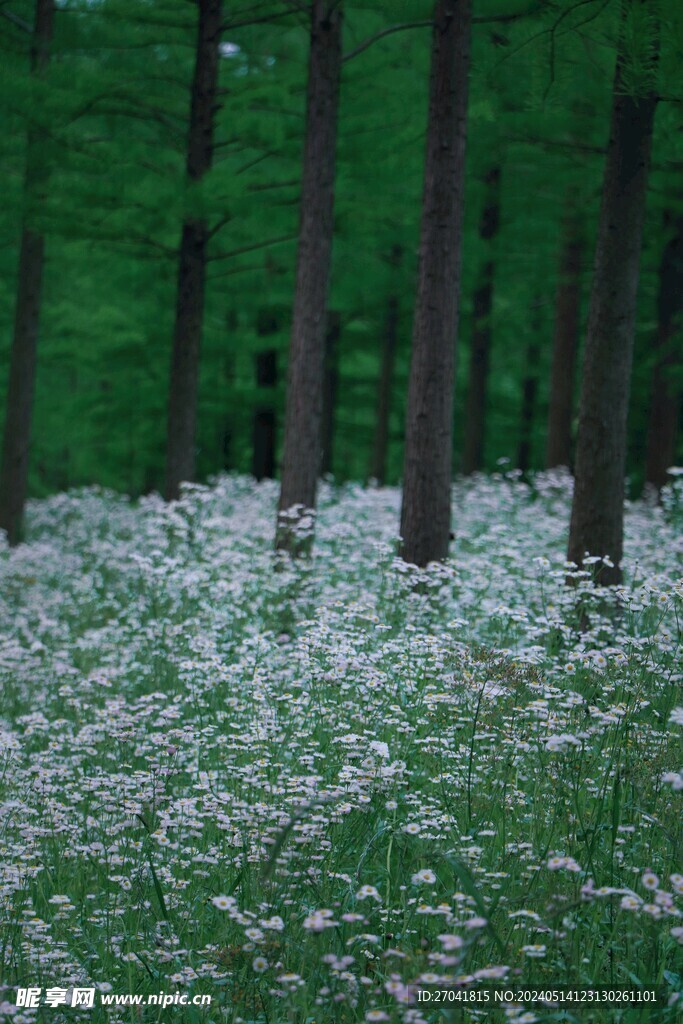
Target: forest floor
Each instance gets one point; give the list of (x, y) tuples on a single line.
[(314, 791)]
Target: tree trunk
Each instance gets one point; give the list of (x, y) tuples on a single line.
[(330, 384), (263, 465), (189, 315), (597, 519), (302, 439), (529, 391), (475, 411), (665, 400), (380, 445), (23, 356), (565, 341), (426, 509)]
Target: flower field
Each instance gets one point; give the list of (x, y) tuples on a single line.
[(315, 790)]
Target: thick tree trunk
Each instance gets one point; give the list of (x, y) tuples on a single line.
[(597, 519), (263, 465), (380, 444), (330, 385), (23, 356), (426, 509), (565, 343), (475, 410), (189, 315), (302, 440), (665, 401)]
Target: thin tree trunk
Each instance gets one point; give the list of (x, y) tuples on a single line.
[(597, 519), (263, 465), (189, 315), (665, 401), (475, 410), (565, 344), (330, 385), (426, 508), (302, 438), (529, 392), (23, 356), (380, 445)]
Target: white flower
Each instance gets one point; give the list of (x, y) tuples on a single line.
[(260, 964), (673, 779), (676, 716), (424, 877), (368, 892), (223, 902)]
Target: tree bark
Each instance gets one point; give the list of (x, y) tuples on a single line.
[(475, 410), (189, 314), (380, 444), (426, 508), (665, 401), (529, 392), (565, 344), (23, 356), (330, 385), (263, 465), (302, 439), (597, 519)]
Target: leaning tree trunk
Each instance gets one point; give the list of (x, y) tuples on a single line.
[(597, 520), (302, 440), (23, 356), (565, 343), (475, 409), (426, 509), (665, 402), (189, 314)]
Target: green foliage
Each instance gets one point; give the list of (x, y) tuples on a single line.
[(111, 121)]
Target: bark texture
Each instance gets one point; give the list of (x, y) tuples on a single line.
[(426, 509), (189, 314), (528, 408), (597, 519), (565, 344), (263, 464), (665, 400), (302, 439), (23, 355), (380, 443), (475, 410)]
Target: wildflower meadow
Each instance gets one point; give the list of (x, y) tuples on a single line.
[(315, 789)]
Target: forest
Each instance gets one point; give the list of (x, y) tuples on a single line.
[(341, 509)]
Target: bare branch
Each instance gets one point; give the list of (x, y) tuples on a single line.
[(16, 20), (384, 32), (252, 247)]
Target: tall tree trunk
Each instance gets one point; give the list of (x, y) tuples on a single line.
[(426, 508), (565, 343), (189, 314), (330, 385), (529, 392), (665, 401), (263, 464), (302, 439), (597, 520), (23, 356), (475, 410), (380, 444)]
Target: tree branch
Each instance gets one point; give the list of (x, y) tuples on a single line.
[(16, 20), (252, 247)]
